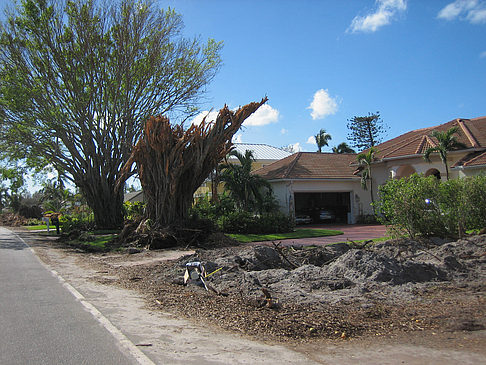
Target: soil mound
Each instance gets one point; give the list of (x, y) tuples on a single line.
[(361, 267), (335, 291), (334, 273)]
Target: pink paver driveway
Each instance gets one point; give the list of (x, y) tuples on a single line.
[(352, 232)]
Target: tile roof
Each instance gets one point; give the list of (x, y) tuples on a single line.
[(133, 195), (472, 133), (472, 159), (310, 165), (261, 151)]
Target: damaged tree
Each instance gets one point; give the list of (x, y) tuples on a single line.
[(79, 78), (172, 162)]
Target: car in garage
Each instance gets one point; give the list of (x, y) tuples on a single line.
[(326, 215), (303, 219)]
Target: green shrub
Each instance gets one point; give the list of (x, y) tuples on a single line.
[(71, 224), (410, 205), (474, 202), (425, 206), (133, 210), (35, 222), (204, 208), (244, 222)]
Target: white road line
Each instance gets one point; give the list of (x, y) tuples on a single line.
[(105, 322)]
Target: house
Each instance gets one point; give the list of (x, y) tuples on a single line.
[(402, 156), (306, 183), (134, 196)]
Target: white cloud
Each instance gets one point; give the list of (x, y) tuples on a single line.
[(473, 11), (384, 13), (477, 16), (296, 147), (263, 116), (311, 140), (284, 131), (453, 10), (210, 116), (322, 105)]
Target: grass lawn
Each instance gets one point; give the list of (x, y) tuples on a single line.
[(39, 227), (100, 242), (96, 243), (298, 233)]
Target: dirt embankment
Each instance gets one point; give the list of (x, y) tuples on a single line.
[(298, 293)]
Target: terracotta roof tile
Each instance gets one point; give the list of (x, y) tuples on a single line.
[(310, 165), (472, 159), (472, 133)]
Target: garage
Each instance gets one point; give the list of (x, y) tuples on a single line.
[(323, 207)]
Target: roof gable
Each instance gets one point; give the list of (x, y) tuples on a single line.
[(471, 132)]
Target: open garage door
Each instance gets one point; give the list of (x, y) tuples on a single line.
[(323, 207)]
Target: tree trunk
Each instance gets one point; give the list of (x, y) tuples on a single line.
[(447, 170), (214, 185), (371, 193), (105, 201)]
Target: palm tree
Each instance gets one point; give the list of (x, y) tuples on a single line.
[(342, 148), (322, 139), (446, 142), (365, 160), (244, 187)]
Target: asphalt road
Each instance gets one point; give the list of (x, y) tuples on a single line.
[(41, 322)]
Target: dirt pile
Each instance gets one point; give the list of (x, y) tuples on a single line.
[(334, 273), (333, 291)]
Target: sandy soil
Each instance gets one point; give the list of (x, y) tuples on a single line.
[(169, 336)]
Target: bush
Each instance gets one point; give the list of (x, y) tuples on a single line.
[(133, 210), (244, 222), (425, 206), (474, 202), (29, 211), (229, 220), (34, 222), (70, 224), (204, 208)]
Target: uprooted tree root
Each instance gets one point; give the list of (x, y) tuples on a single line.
[(193, 233)]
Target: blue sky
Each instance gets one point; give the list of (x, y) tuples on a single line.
[(321, 62)]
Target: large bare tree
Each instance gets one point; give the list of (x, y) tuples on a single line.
[(78, 78)]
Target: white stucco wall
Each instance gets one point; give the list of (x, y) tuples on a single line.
[(479, 170), (392, 168), (359, 199)]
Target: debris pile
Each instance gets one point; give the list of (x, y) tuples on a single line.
[(12, 220), (338, 291), (330, 274)]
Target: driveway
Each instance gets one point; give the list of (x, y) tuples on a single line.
[(352, 232)]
